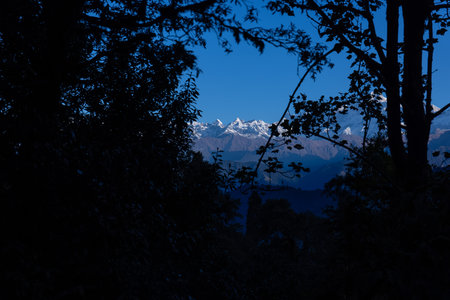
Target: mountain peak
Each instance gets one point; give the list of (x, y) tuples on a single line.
[(237, 122), (347, 131), (434, 108), (251, 129), (351, 123), (218, 123)]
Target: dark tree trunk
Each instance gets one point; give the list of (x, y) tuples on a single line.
[(414, 15), (391, 81)]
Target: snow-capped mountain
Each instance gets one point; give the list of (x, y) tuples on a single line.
[(240, 139), (351, 124), (440, 124), (245, 137), (252, 129)]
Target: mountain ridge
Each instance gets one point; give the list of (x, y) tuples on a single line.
[(240, 139)]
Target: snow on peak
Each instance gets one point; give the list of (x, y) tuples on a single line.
[(348, 131), (434, 108), (218, 123), (351, 122), (251, 129), (238, 122), (248, 129)]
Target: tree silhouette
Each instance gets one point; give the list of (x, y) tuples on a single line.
[(101, 195), (388, 64), (388, 226)]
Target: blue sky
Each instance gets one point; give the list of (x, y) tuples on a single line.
[(250, 85)]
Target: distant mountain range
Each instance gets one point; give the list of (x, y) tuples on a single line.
[(239, 141)]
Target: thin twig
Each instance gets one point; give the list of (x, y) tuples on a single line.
[(372, 65), (291, 99)]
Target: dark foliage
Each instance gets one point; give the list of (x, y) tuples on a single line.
[(389, 229), (287, 252), (101, 196), (390, 243), (397, 65)]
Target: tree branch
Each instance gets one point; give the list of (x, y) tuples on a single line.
[(166, 13), (372, 65), (430, 49), (373, 34), (434, 115), (291, 99)]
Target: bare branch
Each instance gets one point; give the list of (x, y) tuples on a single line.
[(291, 99), (434, 115)]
